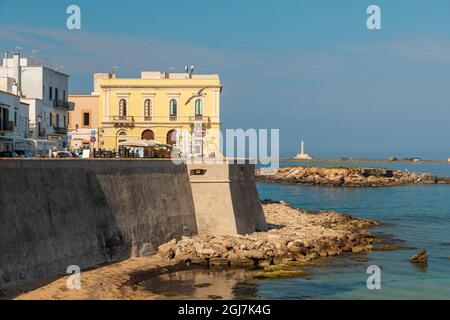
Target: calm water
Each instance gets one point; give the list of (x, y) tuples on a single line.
[(418, 215)]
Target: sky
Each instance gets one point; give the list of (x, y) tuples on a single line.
[(310, 68)]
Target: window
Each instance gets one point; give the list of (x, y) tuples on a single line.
[(148, 108), (173, 108), (57, 121), (64, 95), (50, 118), (15, 119), (198, 108), (4, 118), (123, 108), (121, 137), (50, 93), (64, 123), (56, 94), (86, 119)]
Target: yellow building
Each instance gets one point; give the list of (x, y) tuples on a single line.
[(181, 109)]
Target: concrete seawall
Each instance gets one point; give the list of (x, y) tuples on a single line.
[(57, 213)]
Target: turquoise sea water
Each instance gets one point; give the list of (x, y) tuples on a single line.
[(418, 215)]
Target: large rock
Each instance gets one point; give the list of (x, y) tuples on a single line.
[(420, 258), (167, 250)]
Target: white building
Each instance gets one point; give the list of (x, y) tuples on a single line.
[(45, 90), (13, 121)]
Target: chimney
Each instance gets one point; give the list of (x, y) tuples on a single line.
[(5, 59), (17, 72)]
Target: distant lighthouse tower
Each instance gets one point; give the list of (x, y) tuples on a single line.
[(302, 155)]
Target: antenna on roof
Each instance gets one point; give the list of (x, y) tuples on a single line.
[(191, 70), (114, 69)]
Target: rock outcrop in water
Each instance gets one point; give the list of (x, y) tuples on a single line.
[(294, 235), (349, 177), (420, 258)]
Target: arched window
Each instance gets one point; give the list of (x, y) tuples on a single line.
[(172, 137), (173, 108), (121, 137), (198, 108), (123, 108), (148, 108), (148, 135)]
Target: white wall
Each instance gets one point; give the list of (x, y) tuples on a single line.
[(17, 111)]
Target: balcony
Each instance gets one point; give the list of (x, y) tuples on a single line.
[(64, 105), (122, 119), (6, 126), (60, 130)]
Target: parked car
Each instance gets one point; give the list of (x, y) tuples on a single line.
[(64, 154), (8, 154), (25, 154)]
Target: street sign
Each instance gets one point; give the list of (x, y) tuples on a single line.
[(93, 133), (93, 139)]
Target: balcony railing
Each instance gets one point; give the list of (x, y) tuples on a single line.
[(122, 119), (65, 105), (60, 130), (127, 120), (7, 126)]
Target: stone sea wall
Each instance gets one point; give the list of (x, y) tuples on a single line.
[(58, 213), (54, 214)]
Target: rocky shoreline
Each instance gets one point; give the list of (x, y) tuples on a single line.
[(348, 177), (296, 238), (294, 235)]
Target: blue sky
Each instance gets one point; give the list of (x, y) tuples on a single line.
[(310, 68)]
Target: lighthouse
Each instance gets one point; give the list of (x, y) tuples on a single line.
[(302, 155)]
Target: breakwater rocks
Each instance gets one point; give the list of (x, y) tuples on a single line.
[(294, 235), (349, 177)]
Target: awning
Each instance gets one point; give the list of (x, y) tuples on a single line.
[(141, 143)]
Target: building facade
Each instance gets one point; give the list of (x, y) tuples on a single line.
[(180, 109), (13, 122), (45, 90), (83, 122)]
